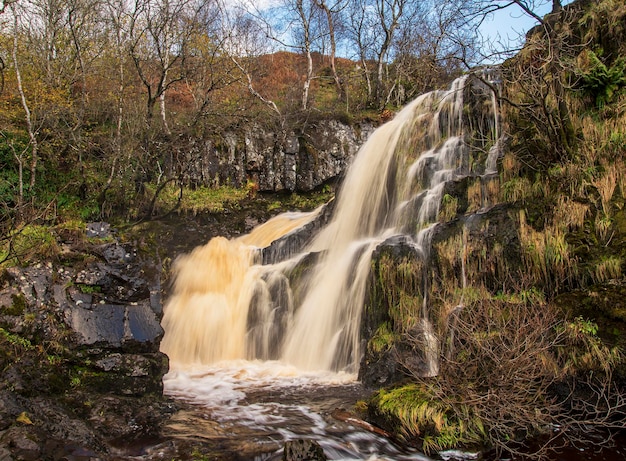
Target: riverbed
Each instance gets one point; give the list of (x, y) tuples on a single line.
[(247, 410)]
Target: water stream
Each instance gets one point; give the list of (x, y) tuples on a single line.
[(267, 353), (249, 409)]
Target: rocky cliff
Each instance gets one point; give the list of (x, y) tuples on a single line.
[(81, 372), (276, 161)]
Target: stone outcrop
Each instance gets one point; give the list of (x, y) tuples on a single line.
[(276, 161), (81, 365)]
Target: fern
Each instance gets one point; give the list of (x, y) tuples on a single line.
[(603, 82)]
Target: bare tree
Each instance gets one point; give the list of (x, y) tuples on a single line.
[(209, 67), (246, 32), (332, 12), (82, 19), (295, 25), (359, 31), (389, 14), (373, 26), (306, 13), (159, 32), (34, 154)]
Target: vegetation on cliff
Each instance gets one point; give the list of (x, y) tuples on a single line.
[(531, 322)]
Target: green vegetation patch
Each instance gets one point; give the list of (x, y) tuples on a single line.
[(600, 81), (383, 339), (29, 244), (197, 200), (438, 424)]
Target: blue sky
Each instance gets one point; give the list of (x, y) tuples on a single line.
[(512, 23)]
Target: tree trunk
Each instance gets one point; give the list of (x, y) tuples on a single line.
[(333, 47), (20, 88), (163, 114), (307, 51)]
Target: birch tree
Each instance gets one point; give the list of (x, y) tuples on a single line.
[(332, 10), (158, 39), (32, 135)]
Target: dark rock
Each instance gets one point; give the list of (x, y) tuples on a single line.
[(54, 421), (113, 325), (380, 369), (98, 229), (303, 450), (98, 324), (69, 452), (5, 454), (381, 365), (83, 361), (10, 408), (24, 445), (119, 255), (294, 242)]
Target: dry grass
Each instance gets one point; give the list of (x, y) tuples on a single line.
[(608, 269), (569, 213), (450, 254), (546, 255), (603, 225), (591, 148), (401, 281), (575, 176), (448, 210), (605, 185), (621, 178), (517, 190), (510, 167), (491, 192), (474, 196)]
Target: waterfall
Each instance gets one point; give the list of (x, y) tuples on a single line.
[(305, 310)]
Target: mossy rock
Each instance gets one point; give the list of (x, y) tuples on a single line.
[(423, 420), (17, 306), (605, 304)]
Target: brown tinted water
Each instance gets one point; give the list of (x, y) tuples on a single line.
[(248, 410)]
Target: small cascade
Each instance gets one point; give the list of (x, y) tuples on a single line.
[(217, 288), (305, 310)]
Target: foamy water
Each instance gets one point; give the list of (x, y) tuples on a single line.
[(263, 404)]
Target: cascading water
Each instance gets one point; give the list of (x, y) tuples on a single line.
[(300, 317)]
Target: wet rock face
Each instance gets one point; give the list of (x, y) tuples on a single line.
[(80, 363), (296, 241), (277, 161), (401, 278), (110, 303), (303, 450), (385, 348)]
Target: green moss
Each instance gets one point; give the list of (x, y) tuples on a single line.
[(449, 207), (89, 289), (29, 244), (17, 307), (398, 288), (15, 340), (419, 413), (383, 339)]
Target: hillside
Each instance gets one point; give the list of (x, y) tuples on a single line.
[(528, 294)]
